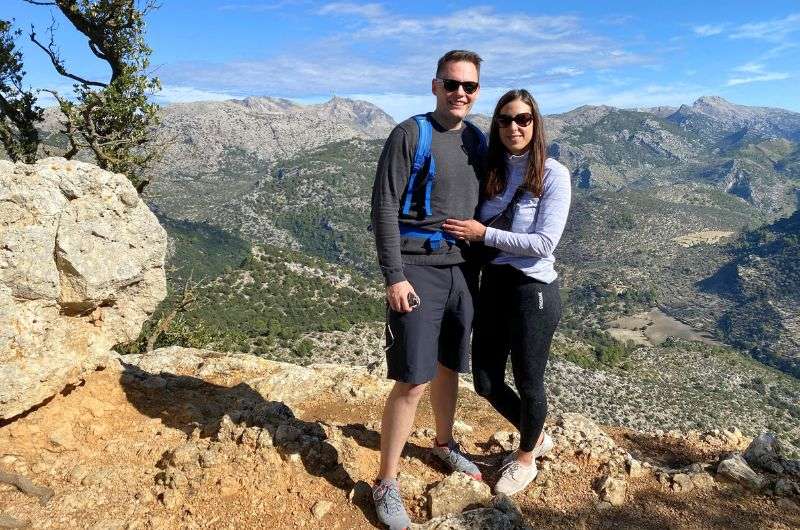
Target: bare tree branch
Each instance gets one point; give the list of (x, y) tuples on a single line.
[(6, 521), (25, 485), (189, 297), (59, 65)]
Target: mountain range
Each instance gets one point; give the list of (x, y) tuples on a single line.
[(646, 182), (679, 226)]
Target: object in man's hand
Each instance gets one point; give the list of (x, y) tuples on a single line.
[(413, 300)]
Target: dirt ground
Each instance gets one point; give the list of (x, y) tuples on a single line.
[(105, 448)]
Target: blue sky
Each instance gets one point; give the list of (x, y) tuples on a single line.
[(569, 53)]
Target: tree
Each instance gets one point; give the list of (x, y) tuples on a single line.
[(112, 119), (18, 111)]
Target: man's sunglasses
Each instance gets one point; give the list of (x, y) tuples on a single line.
[(522, 119), (451, 85)]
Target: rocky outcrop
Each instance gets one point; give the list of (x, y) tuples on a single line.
[(81, 268), (456, 493), (189, 438), (767, 452)]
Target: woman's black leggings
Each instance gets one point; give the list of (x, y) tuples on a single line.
[(516, 315)]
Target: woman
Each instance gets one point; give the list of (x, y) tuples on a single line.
[(519, 304)]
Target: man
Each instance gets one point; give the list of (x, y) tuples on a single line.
[(430, 316)]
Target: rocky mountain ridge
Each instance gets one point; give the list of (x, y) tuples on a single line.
[(641, 179)]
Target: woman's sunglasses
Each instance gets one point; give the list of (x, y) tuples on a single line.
[(451, 85), (522, 119)]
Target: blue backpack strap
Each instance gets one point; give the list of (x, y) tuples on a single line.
[(421, 156), (433, 238), (429, 186)]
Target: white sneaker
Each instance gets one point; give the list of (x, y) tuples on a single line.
[(540, 450), (515, 477)]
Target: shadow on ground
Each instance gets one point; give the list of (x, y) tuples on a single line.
[(190, 404)]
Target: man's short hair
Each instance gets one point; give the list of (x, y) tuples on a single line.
[(459, 55)]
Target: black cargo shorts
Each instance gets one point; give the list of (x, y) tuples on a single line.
[(438, 331)]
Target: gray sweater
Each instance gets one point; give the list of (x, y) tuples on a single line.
[(538, 222), (455, 195)]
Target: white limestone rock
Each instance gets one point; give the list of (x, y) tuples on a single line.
[(81, 269)]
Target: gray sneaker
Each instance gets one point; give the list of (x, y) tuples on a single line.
[(540, 450), (389, 505), (456, 460)]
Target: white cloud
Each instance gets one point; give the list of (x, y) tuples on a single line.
[(708, 30), (568, 71), (181, 94), (773, 76), (751, 68), (757, 74), (528, 48), (771, 30), (348, 8)]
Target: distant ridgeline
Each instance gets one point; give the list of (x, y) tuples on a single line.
[(660, 196)]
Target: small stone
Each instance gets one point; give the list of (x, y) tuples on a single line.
[(250, 437), (95, 478), (462, 428), (176, 479), (292, 458), (735, 467), (95, 407), (321, 508), (633, 467), (411, 485), (455, 493), (766, 452), (264, 440), (682, 483), (505, 440), (424, 433), (612, 490), (228, 486)]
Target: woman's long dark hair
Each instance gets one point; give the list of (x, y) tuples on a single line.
[(496, 177)]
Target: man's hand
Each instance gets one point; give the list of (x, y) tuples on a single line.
[(397, 296), (469, 230)]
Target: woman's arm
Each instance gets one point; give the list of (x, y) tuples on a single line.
[(550, 221)]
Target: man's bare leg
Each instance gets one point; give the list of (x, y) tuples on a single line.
[(444, 393), (396, 424)]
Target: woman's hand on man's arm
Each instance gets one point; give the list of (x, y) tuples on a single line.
[(468, 230)]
